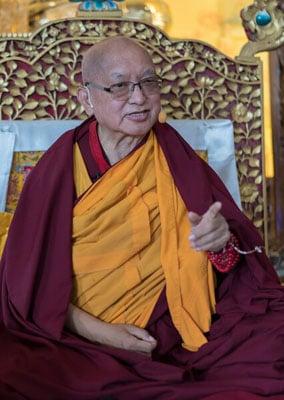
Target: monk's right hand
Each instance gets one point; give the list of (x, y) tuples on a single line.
[(122, 336), (127, 337)]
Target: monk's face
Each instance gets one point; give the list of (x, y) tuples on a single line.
[(135, 115)]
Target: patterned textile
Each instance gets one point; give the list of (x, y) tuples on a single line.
[(23, 163)]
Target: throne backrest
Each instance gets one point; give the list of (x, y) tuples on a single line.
[(40, 74)]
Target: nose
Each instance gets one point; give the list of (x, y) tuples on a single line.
[(137, 96)]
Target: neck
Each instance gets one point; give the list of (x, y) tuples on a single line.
[(117, 146)]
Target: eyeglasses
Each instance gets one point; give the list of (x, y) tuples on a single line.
[(124, 90)]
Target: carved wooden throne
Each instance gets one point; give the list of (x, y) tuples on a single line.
[(40, 74)]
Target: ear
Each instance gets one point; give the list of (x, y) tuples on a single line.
[(85, 100)]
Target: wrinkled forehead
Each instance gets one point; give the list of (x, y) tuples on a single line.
[(117, 65), (116, 58)]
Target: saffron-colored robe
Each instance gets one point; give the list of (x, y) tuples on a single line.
[(130, 240), (39, 359)]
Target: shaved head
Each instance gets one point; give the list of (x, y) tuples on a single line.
[(95, 60), (108, 66)]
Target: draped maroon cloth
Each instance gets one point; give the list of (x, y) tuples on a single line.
[(39, 359)]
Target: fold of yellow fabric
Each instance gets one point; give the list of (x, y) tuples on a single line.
[(5, 221), (82, 180), (130, 239), (190, 280), (116, 242)]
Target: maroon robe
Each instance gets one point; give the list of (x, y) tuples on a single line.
[(40, 360)]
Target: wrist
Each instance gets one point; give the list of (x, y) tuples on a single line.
[(84, 324), (227, 258)]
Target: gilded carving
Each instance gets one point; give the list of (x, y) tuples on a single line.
[(40, 74), (264, 24)]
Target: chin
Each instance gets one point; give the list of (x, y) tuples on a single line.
[(139, 129)]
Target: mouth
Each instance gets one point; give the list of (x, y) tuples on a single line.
[(138, 116)]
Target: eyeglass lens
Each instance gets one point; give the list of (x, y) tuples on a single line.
[(124, 90)]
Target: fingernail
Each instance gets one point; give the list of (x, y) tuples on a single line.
[(192, 237), (151, 338)]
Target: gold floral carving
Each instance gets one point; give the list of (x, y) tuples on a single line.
[(40, 74), (262, 38)]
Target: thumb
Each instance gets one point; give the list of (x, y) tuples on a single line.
[(194, 218)]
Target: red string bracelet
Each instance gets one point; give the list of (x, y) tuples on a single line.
[(226, 259)]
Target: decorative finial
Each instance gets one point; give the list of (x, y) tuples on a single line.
[(264, 25), (98, 8)]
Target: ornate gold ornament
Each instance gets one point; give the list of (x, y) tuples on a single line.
[(264, 25), (98, 8), (155, 12)]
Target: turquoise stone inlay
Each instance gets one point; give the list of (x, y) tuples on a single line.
[(263, 18), (97, 5), (88, 5)]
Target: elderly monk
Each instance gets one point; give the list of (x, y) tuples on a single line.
[(121, 276)]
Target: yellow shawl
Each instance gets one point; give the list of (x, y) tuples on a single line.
[(130, 239)]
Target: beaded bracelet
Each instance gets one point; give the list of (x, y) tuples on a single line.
[(226, 259)]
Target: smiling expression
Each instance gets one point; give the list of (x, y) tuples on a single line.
[(123, 61)]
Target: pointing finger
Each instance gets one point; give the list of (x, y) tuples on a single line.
[(213, 210)]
